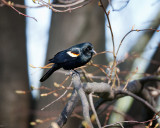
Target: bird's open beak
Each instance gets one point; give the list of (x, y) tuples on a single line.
[(93, 51)]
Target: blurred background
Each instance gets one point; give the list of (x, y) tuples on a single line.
[(24, 41)]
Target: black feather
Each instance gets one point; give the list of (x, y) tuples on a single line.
[(54, 68), (67, 60)]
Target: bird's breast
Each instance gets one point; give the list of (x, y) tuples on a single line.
[(76, 63)]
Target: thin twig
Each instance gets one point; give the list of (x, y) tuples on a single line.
[(104, 9), (121, 125), (70, 7), (114, 55), (137, 98), (93, 109), (133, 73), (102, 70), (133, 30), (131, 121), (10, 5), (57, 98), (119, 9)]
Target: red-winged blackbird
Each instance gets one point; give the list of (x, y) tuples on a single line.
[(71, 58)]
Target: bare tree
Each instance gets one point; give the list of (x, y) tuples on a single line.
[(87, 25)]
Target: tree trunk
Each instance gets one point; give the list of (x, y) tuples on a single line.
[(14, 108)]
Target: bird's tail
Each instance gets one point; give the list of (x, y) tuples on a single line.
[(53, 69)]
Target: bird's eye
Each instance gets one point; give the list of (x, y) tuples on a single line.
[(88, 48)]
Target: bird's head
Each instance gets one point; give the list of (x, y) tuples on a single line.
[(85, 49)]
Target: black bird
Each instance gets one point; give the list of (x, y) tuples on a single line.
[(71, 58)]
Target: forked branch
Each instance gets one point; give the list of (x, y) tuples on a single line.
[(134, 89)]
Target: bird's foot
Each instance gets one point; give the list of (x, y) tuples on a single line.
[(71, 72)]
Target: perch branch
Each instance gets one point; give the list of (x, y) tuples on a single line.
[(78, 86), (134, 89)]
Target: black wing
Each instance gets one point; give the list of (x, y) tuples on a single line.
[(62, 57)]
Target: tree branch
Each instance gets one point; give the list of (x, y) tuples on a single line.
[(135, 89), (93, 109), (85, 105), (67, 111)]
